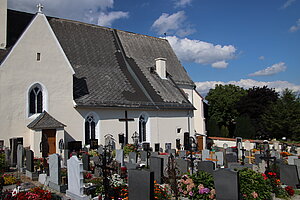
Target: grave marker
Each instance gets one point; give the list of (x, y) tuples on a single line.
[(55, 173), (156, 166), (289, 175), (207, 166), (140, 185)]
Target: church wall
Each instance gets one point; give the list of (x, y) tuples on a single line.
[(21, 69)]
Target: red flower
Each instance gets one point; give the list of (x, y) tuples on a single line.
[(290, 190)]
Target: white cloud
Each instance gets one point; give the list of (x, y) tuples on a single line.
[(173, 24), (274, 69), (287, 3), (295, 27), (107, 19), (261, 57), (202, 52), (87, 11), (182, 3), (204, 87)]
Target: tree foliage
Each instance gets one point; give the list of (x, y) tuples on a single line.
[(282, 119), (244, 127), (222, 104)]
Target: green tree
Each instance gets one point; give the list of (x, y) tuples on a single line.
[(213, 128), (244, 127), (282, 119), (222, 105), (254, 104)]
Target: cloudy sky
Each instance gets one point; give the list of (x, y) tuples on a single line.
[(247, 43)]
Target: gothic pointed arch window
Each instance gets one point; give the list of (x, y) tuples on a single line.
[(143, 128), (36, 99), (90, 128)]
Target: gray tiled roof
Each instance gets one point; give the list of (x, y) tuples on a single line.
[(45, 121), (112, 67)]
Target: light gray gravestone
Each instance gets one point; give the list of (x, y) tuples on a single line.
[(182, 165), (100, 149), (20, 157), (289, 175), (132, 157), (239, 144), (207, 166), (231, 157), (120, 156), (144, 156), (182, 153), (291, 159), (247, 145), (220, 158), (257, 158), (205, 154), (226, 184), (156, 166), (75, 179), (276, 145), (140, 185), (55, 173), (86, 161)]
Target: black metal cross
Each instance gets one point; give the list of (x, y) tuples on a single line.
[(268, 158), (243, 155), (126, 120)]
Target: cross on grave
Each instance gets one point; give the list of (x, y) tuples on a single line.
[(268, 158), (243, 155), (126, 120)]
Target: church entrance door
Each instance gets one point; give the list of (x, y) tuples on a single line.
[(200, 142), (51, 135)]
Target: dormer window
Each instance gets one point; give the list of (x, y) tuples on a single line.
[(161, 68)]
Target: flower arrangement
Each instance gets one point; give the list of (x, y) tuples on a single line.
[(274, 181), (160, 192), (87, 175), (9, 179), (254, 185), (129, 148), (285, 154), (36, 193), (290, 190), (197, 186)]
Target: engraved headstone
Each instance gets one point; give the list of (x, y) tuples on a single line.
[(86, 161), (207, 166), (132, 157), (291, 159), (120, 156), (156, 166), (182, 165), (55, 173), (140, 185), (75, 179), (289, 175), (20, 157)]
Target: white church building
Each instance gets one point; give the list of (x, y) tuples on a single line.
[(73, 81)]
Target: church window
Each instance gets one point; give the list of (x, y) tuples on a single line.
[(36, 100), (38, 56), (90, 129), (142, 128)]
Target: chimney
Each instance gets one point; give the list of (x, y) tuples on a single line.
[(161, 68), (3, 21)]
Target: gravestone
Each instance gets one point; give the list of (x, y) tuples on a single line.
[(156, 166), (289, 175), (182, 165), (182, 154), (165, 163), (20, 157), (100, 149), (205, 154), (14, 142), (75, 179), (171, 151), (120, 156), (55, 173), (143, 156), (97, 163), (291, 159), (207, 166), (131, 165), (154, 154), (297, 163), (247, 145), (220, 158), (86, 161), (226, 184), (132, 157), (239, 144), (231, 157), (238, 166), (30, 173), (257, 158), (276, 145), (140, 185), (7, 156)]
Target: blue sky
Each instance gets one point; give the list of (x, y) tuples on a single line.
[(247, 43)]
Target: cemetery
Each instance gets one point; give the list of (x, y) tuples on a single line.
[(263, 170)]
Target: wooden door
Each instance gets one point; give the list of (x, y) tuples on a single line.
[(51, 135), (200, 143)]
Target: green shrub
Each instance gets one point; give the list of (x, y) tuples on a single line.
[(253, 185)]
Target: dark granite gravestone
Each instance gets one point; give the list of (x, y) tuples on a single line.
[(130, 165), (182, 165), (29, 160), (226, 184), (86, 161), (7, 156), (156, 166), (289, 175), (231, 157), (140, 185), (14, 142), (156, 147), (207, 166), (257, 158)]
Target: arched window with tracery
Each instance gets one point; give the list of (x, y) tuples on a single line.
[(143, 128), (36, 99), (90, 128)]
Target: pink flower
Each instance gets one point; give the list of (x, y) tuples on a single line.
[(254, 194), (191, 193)]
